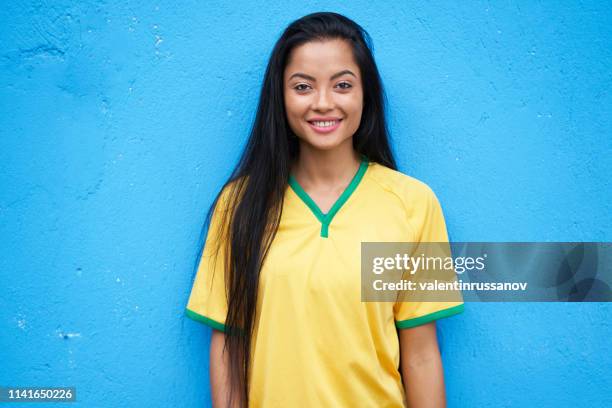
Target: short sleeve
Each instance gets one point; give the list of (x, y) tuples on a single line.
[(428, 222), (208, 300)]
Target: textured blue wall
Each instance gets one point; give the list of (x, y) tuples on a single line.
[(120, 120)]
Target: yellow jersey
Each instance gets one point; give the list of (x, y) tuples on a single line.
[(316, 344)]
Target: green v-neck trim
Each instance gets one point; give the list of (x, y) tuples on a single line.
[(326, 219)]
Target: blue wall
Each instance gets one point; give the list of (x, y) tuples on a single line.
[(120, 120)]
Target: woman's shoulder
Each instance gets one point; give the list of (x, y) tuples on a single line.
[(228, 193), (405, 186)]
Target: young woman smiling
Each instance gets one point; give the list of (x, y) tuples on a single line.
[(279, 277)]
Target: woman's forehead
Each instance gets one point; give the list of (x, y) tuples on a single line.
[(321, 58)]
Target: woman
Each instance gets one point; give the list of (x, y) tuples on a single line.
[(279, 277)]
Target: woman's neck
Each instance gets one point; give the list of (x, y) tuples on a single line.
[(326, 168)]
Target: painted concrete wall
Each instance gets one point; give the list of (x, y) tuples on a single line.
[(120, 120)]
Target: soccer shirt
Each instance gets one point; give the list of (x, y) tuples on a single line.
[(315, 343)]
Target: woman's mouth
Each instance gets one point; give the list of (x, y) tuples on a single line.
[(324, 126)]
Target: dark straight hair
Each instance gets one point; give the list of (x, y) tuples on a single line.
[(253, 195)]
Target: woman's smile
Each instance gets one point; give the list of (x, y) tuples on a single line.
[(324, 126)]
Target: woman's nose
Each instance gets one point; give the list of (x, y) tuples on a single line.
[(323, 101)]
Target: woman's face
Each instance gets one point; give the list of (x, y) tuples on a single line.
[(323, 93)]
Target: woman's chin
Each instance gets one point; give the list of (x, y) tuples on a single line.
[(323, 142)]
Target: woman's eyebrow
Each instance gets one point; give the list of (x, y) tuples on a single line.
[(310, 78)]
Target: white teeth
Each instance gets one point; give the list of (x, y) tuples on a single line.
[(325, 124)]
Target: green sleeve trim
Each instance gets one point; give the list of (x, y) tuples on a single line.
[(203, 319), (417, 321)]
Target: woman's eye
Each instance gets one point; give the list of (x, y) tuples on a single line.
[(344, 85), (300, 87)]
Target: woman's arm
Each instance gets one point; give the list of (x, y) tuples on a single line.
[(219, 371), (421, 367)]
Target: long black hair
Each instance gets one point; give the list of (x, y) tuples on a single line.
[(253, 194)]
